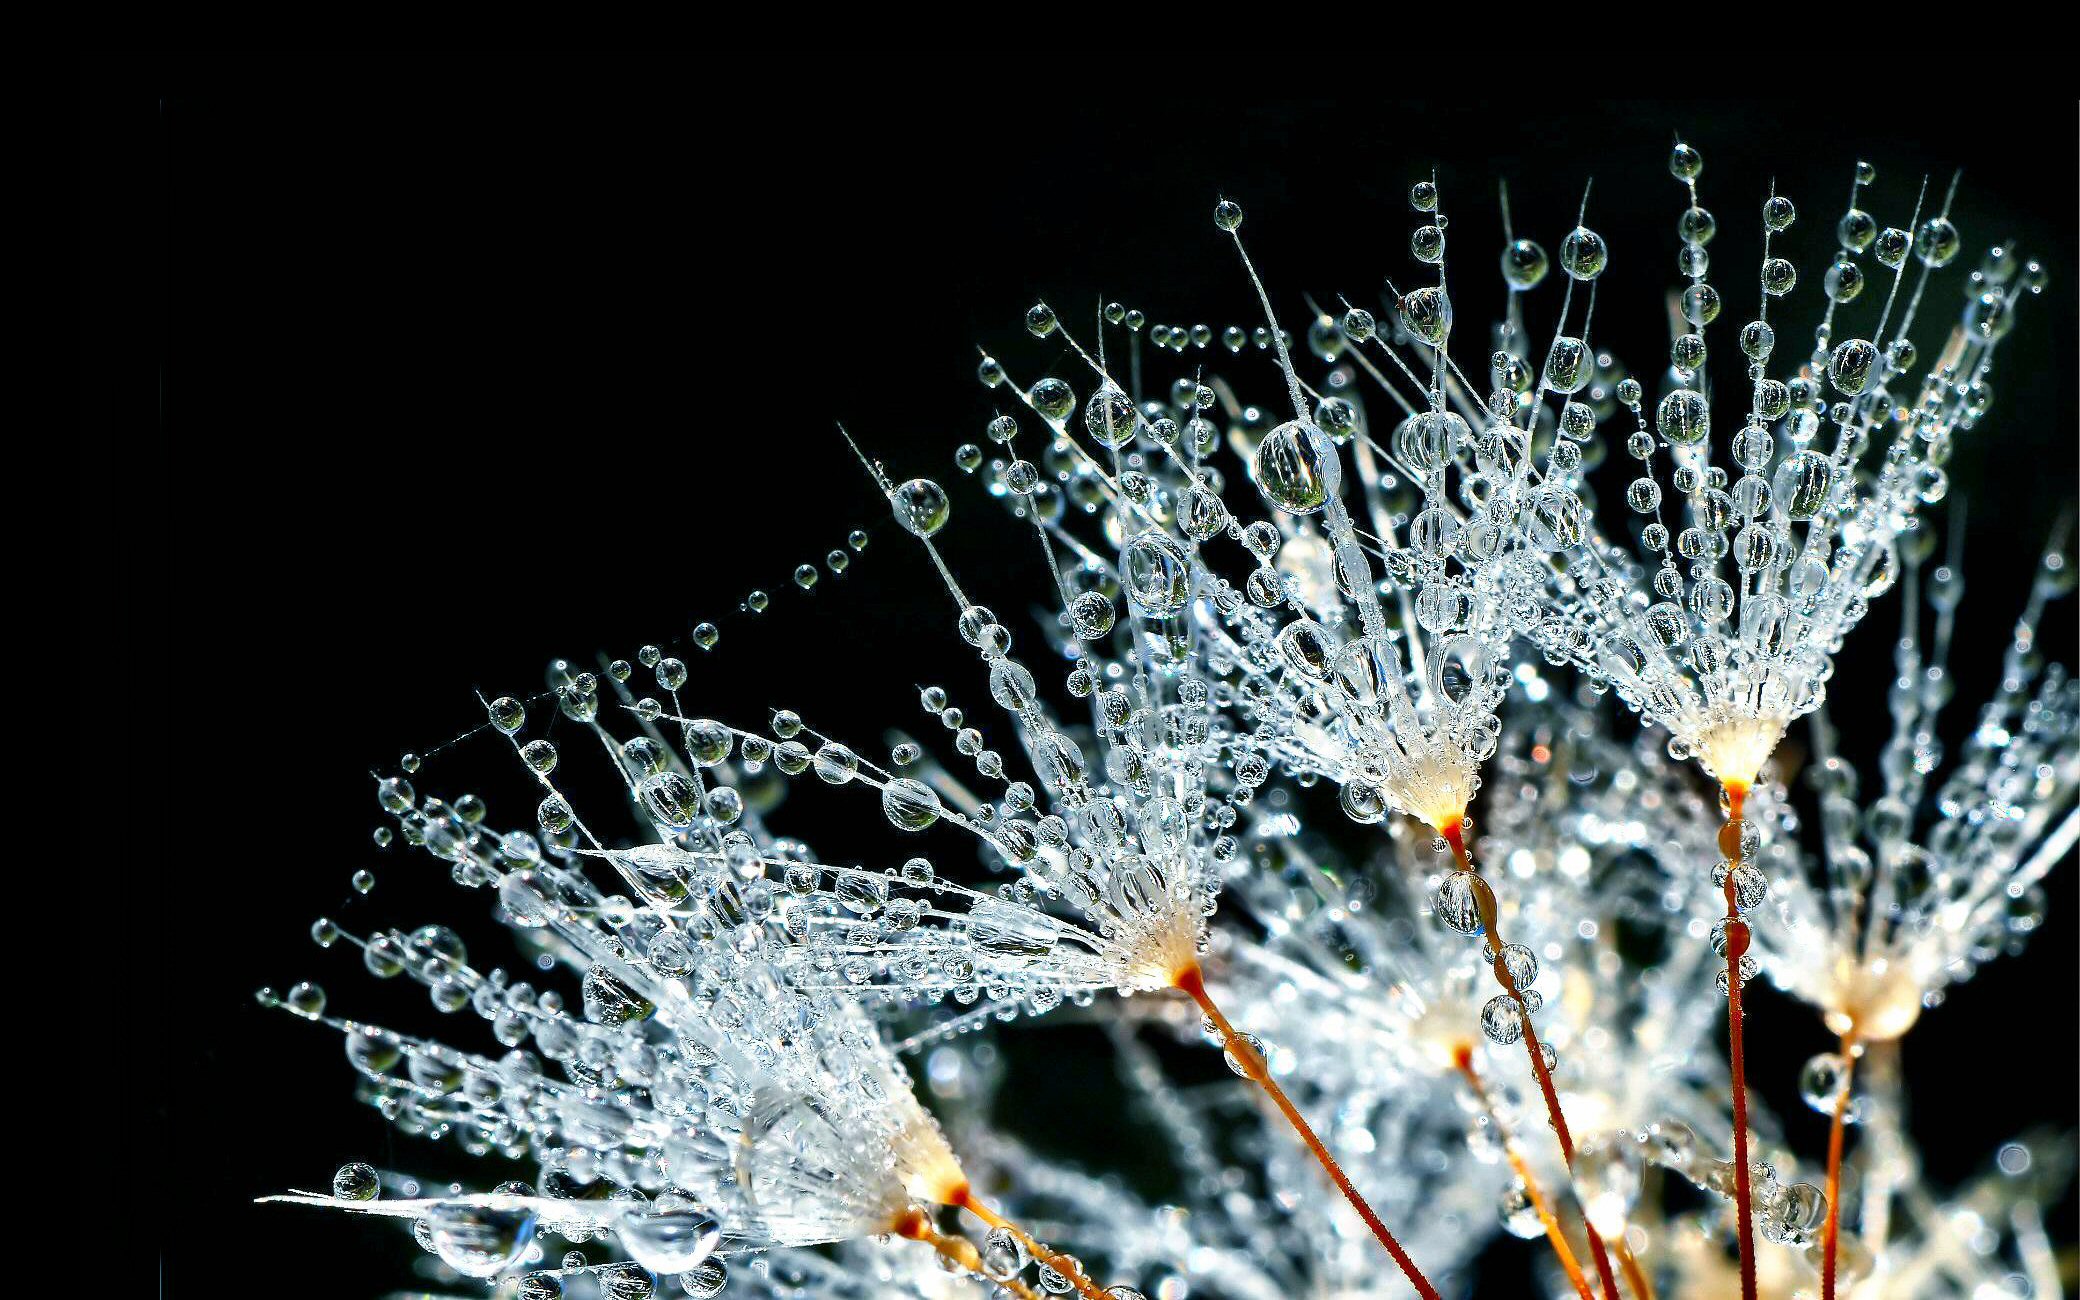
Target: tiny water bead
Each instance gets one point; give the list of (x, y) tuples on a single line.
[(306, 1000), (705, 1280), (921, 507), (508, 714), (479, 1241), (1523, 264), (1427, 244), (1824, 1081), (1295, 466), (1092, 615), (356, 1182), (671, 1234), (1157, 575), (1244, 1054), (1583, 254), (910, 805)]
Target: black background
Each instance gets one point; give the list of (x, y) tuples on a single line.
[(403, 374)]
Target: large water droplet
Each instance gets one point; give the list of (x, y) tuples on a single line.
[(921, 506), (479, 1240), (1158, 577), (911, 805), (669, 1235), (356, 1182), (1296, 467)]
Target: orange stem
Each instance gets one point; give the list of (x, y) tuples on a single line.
[(1193, 983), (1455, 835), (964, 1196), (1736, 948), (955, 1249), (1635, 1276), (1463, 1058), (1832, 1237)]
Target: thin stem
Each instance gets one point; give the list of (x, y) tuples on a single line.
[(1635, 1276), (1463, 1058), (1193, 983), (1831, 1239), (1455, 835), (1736, 948), (956, 1250), (965, 1197)]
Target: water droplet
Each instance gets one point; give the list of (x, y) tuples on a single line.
[(669, 1235), (1003, 1255), (1158, 576), (356, 1182), (479, 1240), (921, 507), (1583, 254), (910, 805), (1245, 1066), (306, 1000), (1295, 466)]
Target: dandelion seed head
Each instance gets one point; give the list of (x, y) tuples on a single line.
[(1277, 559)]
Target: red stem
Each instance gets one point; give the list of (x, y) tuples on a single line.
[(1832, 1238), (1736, 948), (1194, 985), (1455, 835), (964, 1197)]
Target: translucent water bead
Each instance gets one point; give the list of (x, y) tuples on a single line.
[(1789, 1216), (356, 1182), (1460, 901), (1583, 254), (1296, 467), (1823, 1081), (1523, 264), (1004, 1256), (1502, 1020), (1750, 885), (670, 1234), (705, 1281), (1236, 1061), (479, 1240), (921, 506)]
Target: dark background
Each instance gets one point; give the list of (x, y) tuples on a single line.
[(404, 373)]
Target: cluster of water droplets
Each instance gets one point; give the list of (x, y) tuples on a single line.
[(725, 1096), (1725, 629), (1935, 867)]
